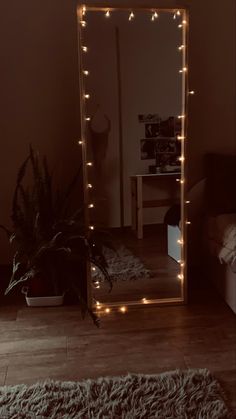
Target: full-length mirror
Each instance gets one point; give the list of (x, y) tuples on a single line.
[(133, 99)]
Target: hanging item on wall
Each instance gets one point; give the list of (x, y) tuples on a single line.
[(148, 149), (152, 130), (149, 117)]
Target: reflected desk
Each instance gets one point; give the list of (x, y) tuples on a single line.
[(137, 202)]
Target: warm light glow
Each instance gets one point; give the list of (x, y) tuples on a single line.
[(87, 118), (91, 205), (123, 309), (86, 72), (144, 301), (180, 241), (83, 10), (181, 158), (90, 185), (85, 49), (154, 16), (181, 116), (83, 23), (188, 222), (180, 137), (80, 142), (107, 14), (187, 202), (93, 268), (191, 92), (89, 163), (181, 47), (182, 181), (180, 26), (87, 96), (178, 13), (91, 227), (131, 16), (184, 22), (107, 310), (180, 276)]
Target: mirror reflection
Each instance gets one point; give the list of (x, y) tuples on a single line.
[(133, 97)]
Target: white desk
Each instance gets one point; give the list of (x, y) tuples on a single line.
[(137, 202)]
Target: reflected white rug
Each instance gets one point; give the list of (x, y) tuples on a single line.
[(123, 265), (178, 394)]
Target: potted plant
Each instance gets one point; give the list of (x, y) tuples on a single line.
[(51, 243)]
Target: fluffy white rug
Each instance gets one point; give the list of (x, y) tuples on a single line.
[(123, 265), (190, 394)]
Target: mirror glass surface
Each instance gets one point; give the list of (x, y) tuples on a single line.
[(135, 100)]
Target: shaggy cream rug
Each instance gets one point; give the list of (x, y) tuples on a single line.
[(190, 394)]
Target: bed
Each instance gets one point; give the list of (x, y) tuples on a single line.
[(220, 224)]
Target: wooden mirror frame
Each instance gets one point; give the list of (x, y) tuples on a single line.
[(81, 12)]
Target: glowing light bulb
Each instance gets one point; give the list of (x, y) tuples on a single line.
[(84, 48), (83, 10), (107, 14), (180, 137), (178, 13), (180, 26), (86, 72), (144, 301), (187, 202), (91, 206), (91, 227), (123, 309), (87, 118), (83, 23), (131, 16), (154, 16), (184, 22), (107, 310), (90, 185), (181, 158), (182, 181), (191, 92), (180, 276), (180, 241), (89, 163), (80, 142), (87, 96), (181, 47), (93, 268), (181, 116), (174, 16), (188, 222)]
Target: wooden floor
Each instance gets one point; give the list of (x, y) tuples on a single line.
[(152, 252), (55, 343)]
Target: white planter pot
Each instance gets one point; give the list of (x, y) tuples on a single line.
[(53, 301)]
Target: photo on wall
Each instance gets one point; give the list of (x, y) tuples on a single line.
[(152, 130), (148, 149), (149, 118)]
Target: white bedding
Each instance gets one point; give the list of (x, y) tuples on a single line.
[(221, 231)]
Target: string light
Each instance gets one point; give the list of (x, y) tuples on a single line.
[(187, 202), (91, 227), (181, 116), (107, 14), (123, 309), (183, 70), (144, 301), (89, 163), (87, 118), (180, 241), (180, 276), (191, 92), (86, 72), (188, 222), (91, 206), (83, 10), (131, 16), (184, 22), (80, 142), (154, 16), (89, 185), (178, 13), (180, 25), (180, 137), (83, 23), (181, 158), (87, 96), (84, 48), (107, 310), (93, 268), (181, 47)]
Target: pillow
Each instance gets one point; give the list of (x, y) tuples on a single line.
[(220, 183)]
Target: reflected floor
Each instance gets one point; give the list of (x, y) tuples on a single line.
[(152, 251)]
